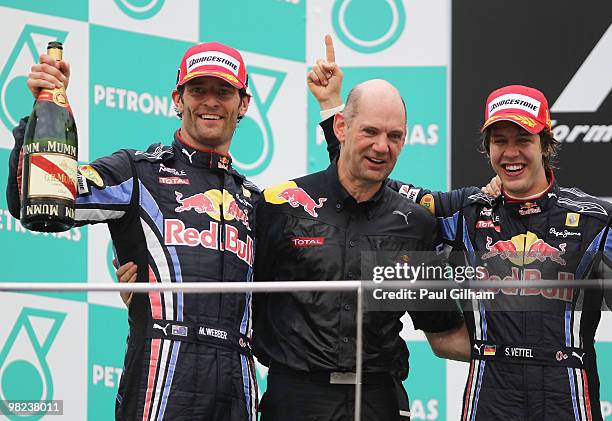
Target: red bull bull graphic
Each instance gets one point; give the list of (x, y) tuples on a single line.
[(211, 202), (505, 249), (529, 208), (541, 251), (297, 196), (176, 234), (199, 202), (524, 249), (234, 211)]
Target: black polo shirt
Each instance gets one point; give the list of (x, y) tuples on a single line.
[(311, 229)]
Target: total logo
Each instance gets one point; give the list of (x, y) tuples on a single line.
[(524, 249), (24, 371), (385, 23), (140, 9), (15, 100), (295, 196), (253, 144)]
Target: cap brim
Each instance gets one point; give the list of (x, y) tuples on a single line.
[(228, 77), (527, 123)]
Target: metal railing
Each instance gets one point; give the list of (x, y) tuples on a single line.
[(293, 286)]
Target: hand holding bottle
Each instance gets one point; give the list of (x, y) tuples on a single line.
[(50, 149), (49, 73)]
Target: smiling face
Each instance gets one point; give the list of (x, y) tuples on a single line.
[(373, 136), (516, 156), (210, 108)]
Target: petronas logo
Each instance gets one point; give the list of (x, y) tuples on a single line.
[(24, 371), (368, 26), (140, 9), (253, 143), (15, 99)]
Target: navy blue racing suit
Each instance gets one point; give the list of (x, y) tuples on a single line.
[(182, 215), (533, 354)]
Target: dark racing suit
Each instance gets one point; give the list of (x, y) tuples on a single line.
[(533, 355), (181, 215)]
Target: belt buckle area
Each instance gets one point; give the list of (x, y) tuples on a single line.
[(337, 377)]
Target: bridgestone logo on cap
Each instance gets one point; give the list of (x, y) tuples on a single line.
[(214, 58), (515, 101)]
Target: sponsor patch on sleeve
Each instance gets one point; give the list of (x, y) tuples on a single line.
[(91, 174), (572, 219), (409, 193), (82, 184), (428, 202), (271, 193)]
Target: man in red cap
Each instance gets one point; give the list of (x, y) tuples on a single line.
[(533, 355), (180, 213), (519, 113)]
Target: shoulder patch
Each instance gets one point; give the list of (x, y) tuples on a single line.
[(271, 194), (428, 203), (289, 192), (482, 198), (155, 152), (575, 191), (576, 200), (409, 193), (582, 206), (249, 185), (91, 174)]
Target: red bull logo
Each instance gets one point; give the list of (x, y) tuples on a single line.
[(529, 208), (296, 196), (199, 202), (554, 293), (541, 251), (524, 249), (505, 249), (233, 210), (176, 234)]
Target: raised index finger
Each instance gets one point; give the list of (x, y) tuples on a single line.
[(329, 49)]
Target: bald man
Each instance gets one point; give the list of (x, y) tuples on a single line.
[(316, 228)]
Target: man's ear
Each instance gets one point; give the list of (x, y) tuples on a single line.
[(244, 105), (178, 101), (340, 127)]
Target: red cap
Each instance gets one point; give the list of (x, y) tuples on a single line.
[(213, 59), (522, 105)]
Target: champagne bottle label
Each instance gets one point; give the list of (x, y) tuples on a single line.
[(52, 175), (57, 96)]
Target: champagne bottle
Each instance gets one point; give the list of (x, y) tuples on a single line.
[(49, 177)]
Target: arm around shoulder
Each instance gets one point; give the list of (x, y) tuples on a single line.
[(453, 344)]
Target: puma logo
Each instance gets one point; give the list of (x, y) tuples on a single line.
[(405, 215), (189, 155), (580, 357), (163, 329)]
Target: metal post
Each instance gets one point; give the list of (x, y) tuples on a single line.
[(358, 353)]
